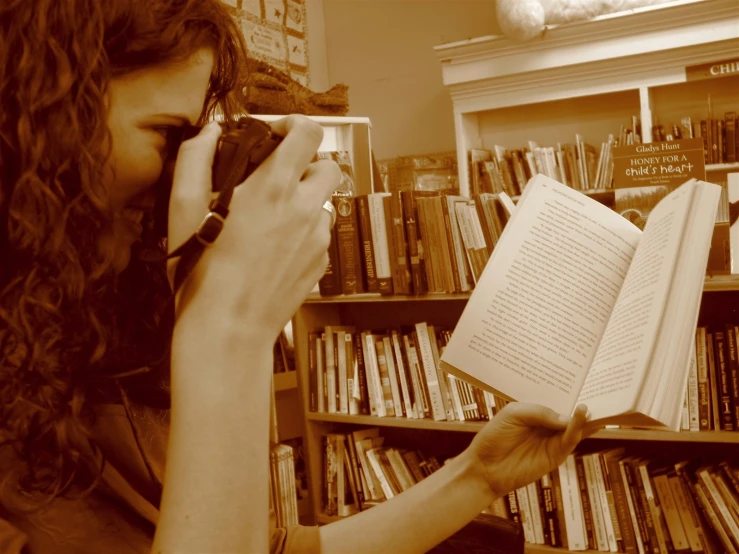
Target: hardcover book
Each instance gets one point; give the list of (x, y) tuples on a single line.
[(578, 305)]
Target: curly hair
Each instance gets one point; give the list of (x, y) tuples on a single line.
[(57, 331)]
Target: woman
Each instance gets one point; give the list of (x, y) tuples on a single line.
[(90, 94)]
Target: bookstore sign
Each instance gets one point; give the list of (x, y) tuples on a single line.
[(712, 70)]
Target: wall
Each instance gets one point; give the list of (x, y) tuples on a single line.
[(383, 50)]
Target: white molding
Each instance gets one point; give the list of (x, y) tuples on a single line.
[(628, 51), (656, 30)]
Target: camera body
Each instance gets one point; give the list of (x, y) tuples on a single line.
[(242, 146)]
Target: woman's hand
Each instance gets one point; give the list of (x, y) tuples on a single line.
[(522, 443), (273, 248)]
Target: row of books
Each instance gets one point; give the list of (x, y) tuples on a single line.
[(359, 471), (412, 242), (712, 399), (282, 489), (396, 373), (611, 500), (578, 165), (720, 139), (618, 501), (391, 373)]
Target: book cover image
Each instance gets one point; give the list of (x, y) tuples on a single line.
[(636, 203), (733, 194), (643, 174)]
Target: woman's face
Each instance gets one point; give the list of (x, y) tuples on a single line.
[(144, 107)]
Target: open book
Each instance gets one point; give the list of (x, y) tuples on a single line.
[(577, 305)]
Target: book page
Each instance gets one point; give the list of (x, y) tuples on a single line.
[(623, 354), (532, 325)]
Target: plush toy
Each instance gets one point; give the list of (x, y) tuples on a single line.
[(525, 19)]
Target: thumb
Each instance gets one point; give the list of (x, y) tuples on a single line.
[(191, 184), (535, 415)]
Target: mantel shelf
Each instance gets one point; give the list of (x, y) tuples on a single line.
[(715, 437)]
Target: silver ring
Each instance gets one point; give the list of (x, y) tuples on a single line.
[(329, 207)]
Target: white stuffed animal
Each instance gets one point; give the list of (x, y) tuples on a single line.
[(525, 19)]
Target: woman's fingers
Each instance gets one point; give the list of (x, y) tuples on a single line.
[(191, 185), (302, 137)]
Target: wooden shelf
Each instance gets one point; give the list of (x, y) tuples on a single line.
[(723, 167), (715, 283), (544, 549), (463, 426), (285, 381), (718, 283), (315, 298), (719, 437)]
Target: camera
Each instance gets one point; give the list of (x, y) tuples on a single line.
[(242, 146)]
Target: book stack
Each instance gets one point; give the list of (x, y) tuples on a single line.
[(360, 471), (618, 501), (412, 242), (391, 373), (283, 492)]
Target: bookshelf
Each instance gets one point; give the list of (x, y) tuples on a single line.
[(587, 78), (592, 77)]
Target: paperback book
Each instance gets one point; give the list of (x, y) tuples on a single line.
[(578, 305)]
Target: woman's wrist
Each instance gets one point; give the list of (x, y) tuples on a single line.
[(473, 470)]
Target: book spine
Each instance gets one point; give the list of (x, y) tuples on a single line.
[(415, 250), (585, 502), (672, 517), (383, 270), (599, 525), (549, 510), (393, 373), (558, 504), (402, 364), (341, 372), (713, 383), (532, 492), (352, 374), (704, 396), (330, 283), (625, 506), (364, 408), (322, 373), (731, 136), (574, 510), (649, 532), (402, 280), (722, 367), (733, 368), (312, 372), (650, 504), (692, 392), (365, 235), (347, 233), (438, 412), (613, 530), (683, 510)]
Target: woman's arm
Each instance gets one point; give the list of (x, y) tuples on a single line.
[(243, 291), (417, 519), (216, 486), (519, 445)]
